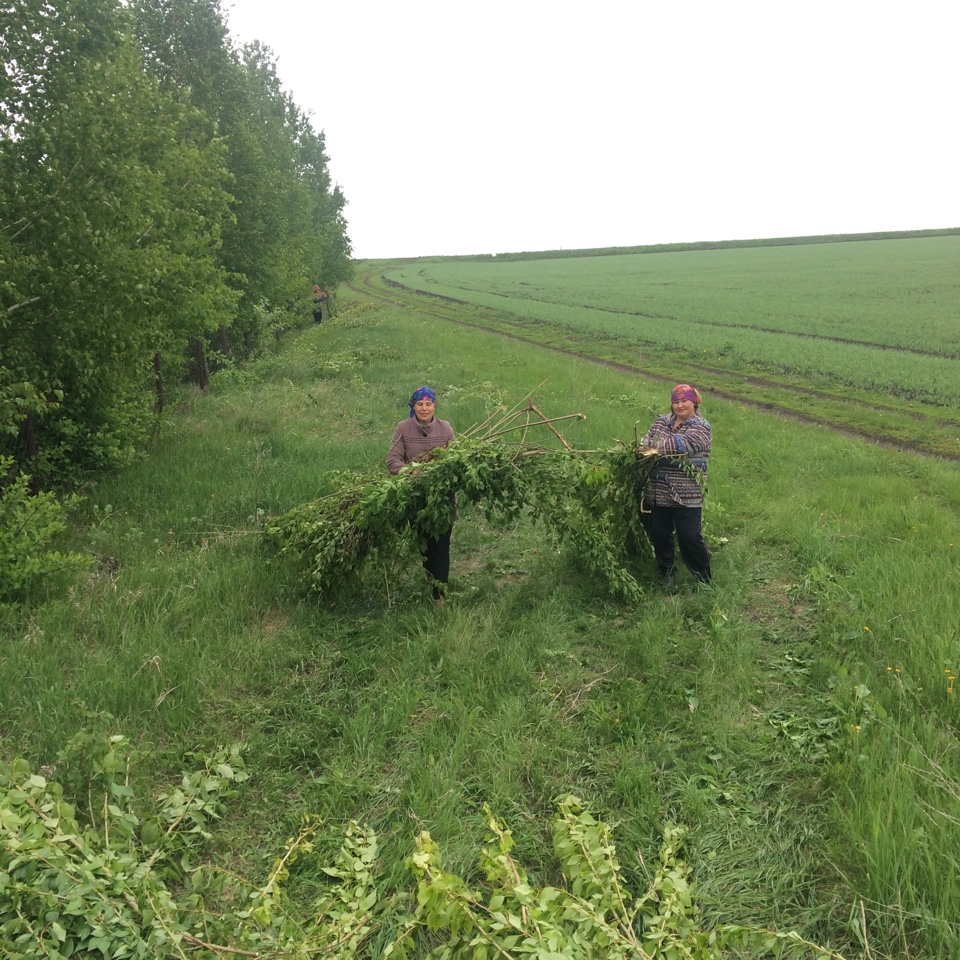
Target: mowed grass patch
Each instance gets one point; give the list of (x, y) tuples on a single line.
[(731, 709)]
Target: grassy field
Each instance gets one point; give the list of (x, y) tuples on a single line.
[(861, 335), (797, 716)]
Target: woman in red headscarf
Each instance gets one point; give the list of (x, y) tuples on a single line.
[(672, 503)]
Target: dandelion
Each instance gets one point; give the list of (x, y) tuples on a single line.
[(867, 629), (889, 669)]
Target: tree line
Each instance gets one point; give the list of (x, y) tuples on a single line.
[(165, 207)]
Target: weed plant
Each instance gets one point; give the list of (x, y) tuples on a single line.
[(797, 716)]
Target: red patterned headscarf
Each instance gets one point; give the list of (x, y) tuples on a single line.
[(683, 391)]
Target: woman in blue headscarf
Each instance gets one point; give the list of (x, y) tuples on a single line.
[(412, 439)]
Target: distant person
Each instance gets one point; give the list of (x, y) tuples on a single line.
[(673, 500), (320, 297), (412, 439)]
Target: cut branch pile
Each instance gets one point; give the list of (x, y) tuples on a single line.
[(587, 499)]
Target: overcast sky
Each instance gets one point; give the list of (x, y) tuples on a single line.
[(465, 127)]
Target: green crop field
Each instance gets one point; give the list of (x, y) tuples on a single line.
[(889, 293), (864, 335), (187, 733)]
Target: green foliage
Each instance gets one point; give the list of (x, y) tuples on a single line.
[(590, 505), (29, 523), (287, 228), (157, 190), (122, 884), (109, 884), (594, 506), (592, 916), (18, 401), (335, 536), (113, 208)]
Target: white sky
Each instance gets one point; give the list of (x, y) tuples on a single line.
[(455, 126)]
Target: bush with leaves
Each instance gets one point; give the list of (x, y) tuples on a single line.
[(29, 523)]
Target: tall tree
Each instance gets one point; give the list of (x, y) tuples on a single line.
[(329, 255), (122, 129), (288, 227), (111, 211)]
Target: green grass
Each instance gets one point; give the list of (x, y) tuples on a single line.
[(864, 292), (855, 334), (818, 784)]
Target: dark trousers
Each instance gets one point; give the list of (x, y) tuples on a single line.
[(662, 523), (317, 315), (436, 560)]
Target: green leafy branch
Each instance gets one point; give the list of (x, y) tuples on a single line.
[(70, 889), (585, 499), (105, 888), (592, 916)]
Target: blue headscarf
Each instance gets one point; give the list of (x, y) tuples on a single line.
[(421, 393)]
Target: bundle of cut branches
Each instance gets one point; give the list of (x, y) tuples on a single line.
[(587, 499)]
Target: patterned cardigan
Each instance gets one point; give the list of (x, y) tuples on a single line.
[(670, 484)]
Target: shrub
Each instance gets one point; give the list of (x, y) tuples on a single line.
[(29, 523)]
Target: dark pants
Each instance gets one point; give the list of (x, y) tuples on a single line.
[(436, 560), (317, 315), (662, 523)]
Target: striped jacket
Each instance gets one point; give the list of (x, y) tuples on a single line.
[(670, 484)]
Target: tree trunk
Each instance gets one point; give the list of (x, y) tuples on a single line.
[(199, 364), (30, 435), (158, 405), (30, 440)]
